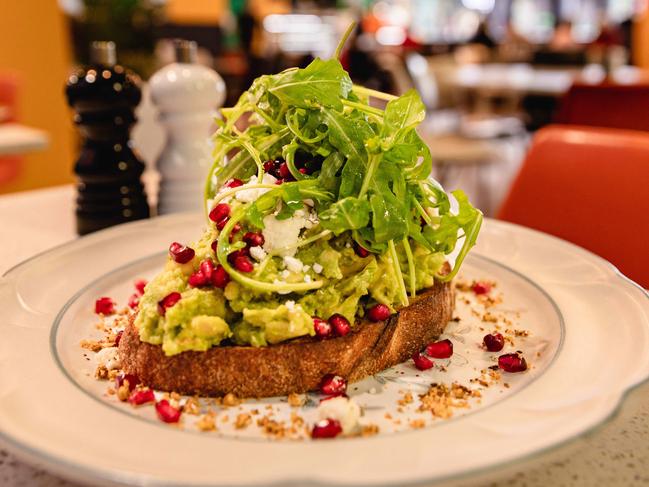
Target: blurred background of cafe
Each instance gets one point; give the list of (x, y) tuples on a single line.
[(491, 72)]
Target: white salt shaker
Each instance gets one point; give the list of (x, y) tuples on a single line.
[(187, 95)]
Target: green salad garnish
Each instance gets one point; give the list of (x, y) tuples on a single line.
[(348, 180)]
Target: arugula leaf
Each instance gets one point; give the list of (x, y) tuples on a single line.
[(321, 83), (347, 214)]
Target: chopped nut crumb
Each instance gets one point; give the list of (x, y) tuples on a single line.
[(243, 421), (123, 391), (369, 430), (406, 399), (230, 400), (192, 406), (207, 422), (101, 373), (417, 423), (296, 400)]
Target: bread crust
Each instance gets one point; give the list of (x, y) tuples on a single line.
[(294, 366)]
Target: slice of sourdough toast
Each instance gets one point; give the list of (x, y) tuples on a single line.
[(294, 366)]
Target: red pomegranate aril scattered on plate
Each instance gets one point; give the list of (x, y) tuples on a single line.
[(134, 300), (479, 288), (167, 302), (141, 396), (214, 245), (327, 428), (104, 306), (219, 212), (378, 312), (180, 253), (207, 267), (232, 257), (254, 239), (220, 225), (421, 361), (494, 342), (323, 329), (361, 251), (220, 277), (122, 378), (340, 324), (166, 412), (283, 171), (118, 337), (512, 362), (139, 285), (333, 385), (440, 349), (303, 170), (271, 168), (197, 279), (233, 183), (235, 229), (242, 263), (279, 181)]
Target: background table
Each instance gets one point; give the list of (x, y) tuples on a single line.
[(614, 454)]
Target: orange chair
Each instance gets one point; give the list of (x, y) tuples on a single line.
[(589, 186), (606, 105)]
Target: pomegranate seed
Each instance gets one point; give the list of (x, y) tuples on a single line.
[(284, 171), (327, 428), (303, 170), (139, 285), (333, 385), (494, 342), (207, 267), (421, 361), (233, 256), (254, 239), (512, 362), (197, 279), (141, 396), (279, 181), (379, 312), (167, 302), (322, 328), (134, 300), (243, 264), (233, 183), (481, 288), (220, 225), (340, 324), (441, 349), (118, 337), (214, 245), (166, 412), (235, 229), (219, 212), (104, 306), (361, 251), (220, 277), (272, 168), (181, 253), (122, 377)]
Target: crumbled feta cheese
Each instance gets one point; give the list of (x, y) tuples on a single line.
[(250, 195), (277, 281), (285, 273), (343, 409), (108, 357), (290, 305), (282, 234), (309, 202), (293, 264), (307, 278), (257, 253), (317, 268), (348, 245), (306, 267)]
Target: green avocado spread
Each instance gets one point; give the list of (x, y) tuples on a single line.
[(322, 206)]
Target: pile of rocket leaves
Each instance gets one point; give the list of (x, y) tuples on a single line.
[(372, 170)]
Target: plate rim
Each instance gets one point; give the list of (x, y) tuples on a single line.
[(76, 471)]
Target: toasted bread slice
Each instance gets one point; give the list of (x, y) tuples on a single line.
[(294, 366)]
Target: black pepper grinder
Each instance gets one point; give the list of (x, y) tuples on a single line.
[(104, 96)]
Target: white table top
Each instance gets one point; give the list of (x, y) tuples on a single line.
[(615, 454), (18, 139)]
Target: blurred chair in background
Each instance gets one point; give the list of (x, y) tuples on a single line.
[(9, 165), (588, 186), (606, 105)]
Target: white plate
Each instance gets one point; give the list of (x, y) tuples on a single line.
[(589, 325)]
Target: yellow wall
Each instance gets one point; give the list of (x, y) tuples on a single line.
[(34, 45)]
